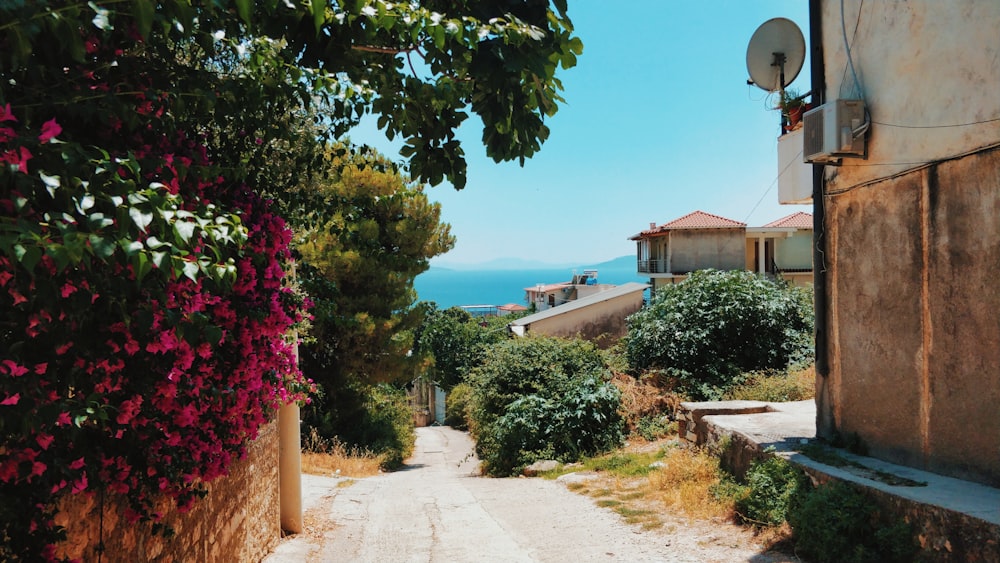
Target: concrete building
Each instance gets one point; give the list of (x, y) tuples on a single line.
[(697, 241), (908, 232), (598, 317)]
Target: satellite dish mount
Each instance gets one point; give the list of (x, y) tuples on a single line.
[(775, 54)]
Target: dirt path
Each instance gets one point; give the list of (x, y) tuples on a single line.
[(438, 510)]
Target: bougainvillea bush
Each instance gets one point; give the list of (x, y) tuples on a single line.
[(145, 310)]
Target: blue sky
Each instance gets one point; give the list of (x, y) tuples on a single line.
[(658, 122)]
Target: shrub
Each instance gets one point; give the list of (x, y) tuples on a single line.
[(714, 326), (538, 398), (456, 406), (771, 486), (836, 522), (387, 426), (776, 386)]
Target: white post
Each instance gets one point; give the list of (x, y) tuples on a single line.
[(290, 460), (290, 469)]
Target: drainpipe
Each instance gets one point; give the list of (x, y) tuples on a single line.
[(290, 461), (818, 87)]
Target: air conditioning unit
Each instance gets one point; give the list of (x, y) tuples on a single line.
[(834, 130)]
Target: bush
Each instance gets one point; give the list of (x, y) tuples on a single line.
[(771, 486), (456, 406), (537, 398), (387, 426), (714, 326), (836, 522), (775, 386)]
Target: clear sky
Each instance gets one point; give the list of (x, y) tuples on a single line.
[(658, 122)]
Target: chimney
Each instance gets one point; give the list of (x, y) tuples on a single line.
[(652, 225)]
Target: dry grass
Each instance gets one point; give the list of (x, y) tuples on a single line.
[(321, 456), (776, 387), (685, 482), (645, 397)]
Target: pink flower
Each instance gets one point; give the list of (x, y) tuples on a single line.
[(76, 464), (64, 348), (14, 369), (11, 399), (6, 115), (68, 290), (49, 130), (80, 484), (63, 419), (18, 298), (44, 440), (18, 158)]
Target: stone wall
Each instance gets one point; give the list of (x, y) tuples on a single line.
[(237, 522)]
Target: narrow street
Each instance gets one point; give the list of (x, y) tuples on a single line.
[(438, 510)]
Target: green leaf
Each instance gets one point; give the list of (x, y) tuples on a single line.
[(243, 9), (142, 11), (103, 247), (319, 13), (141, 218), (185, 230), (191, 270)]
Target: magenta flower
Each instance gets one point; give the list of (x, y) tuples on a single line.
[(11, 399), (6, 114), (49, 130)]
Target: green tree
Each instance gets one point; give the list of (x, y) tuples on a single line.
[(543, 398), (455, 342), (714, 326), (359, 266)]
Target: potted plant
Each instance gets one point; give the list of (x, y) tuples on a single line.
[(792, 106)]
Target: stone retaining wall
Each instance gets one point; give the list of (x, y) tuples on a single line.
[(237, 522)]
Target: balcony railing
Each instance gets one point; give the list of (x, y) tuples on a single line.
[(660, 267)]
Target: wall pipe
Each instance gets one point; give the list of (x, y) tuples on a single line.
[(818, 87)]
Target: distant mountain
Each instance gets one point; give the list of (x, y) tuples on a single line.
[(627, 261)]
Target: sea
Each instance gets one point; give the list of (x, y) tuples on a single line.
[(455, 288)]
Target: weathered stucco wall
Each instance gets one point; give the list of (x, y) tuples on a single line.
[(914, 264), (698, 249), (237, 522), (913, 237)]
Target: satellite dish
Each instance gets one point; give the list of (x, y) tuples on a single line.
[(775, 54)]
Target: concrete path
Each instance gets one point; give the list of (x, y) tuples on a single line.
[(438, 510)]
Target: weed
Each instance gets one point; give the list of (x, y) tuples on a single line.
[(836, 522), (624, 464), (771, 486), (776, 386)]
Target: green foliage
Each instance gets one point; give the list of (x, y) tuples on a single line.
[(771, 486), (538, 398), (622, 464), (838, 523), (456, 342), (655, 427), (456, 406), (387, 426), (714, 326)]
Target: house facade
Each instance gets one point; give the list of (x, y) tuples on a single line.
[(667, 253), (908, 235), (599, 317)]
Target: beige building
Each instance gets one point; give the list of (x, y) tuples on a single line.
[(697, 241), (908, 258), (599, 316)]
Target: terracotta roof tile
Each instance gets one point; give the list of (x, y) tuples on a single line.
[(800, 220), (694, 220)]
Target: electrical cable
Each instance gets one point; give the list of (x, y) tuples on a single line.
[(969, 124), (796, 158), (858, 90)]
